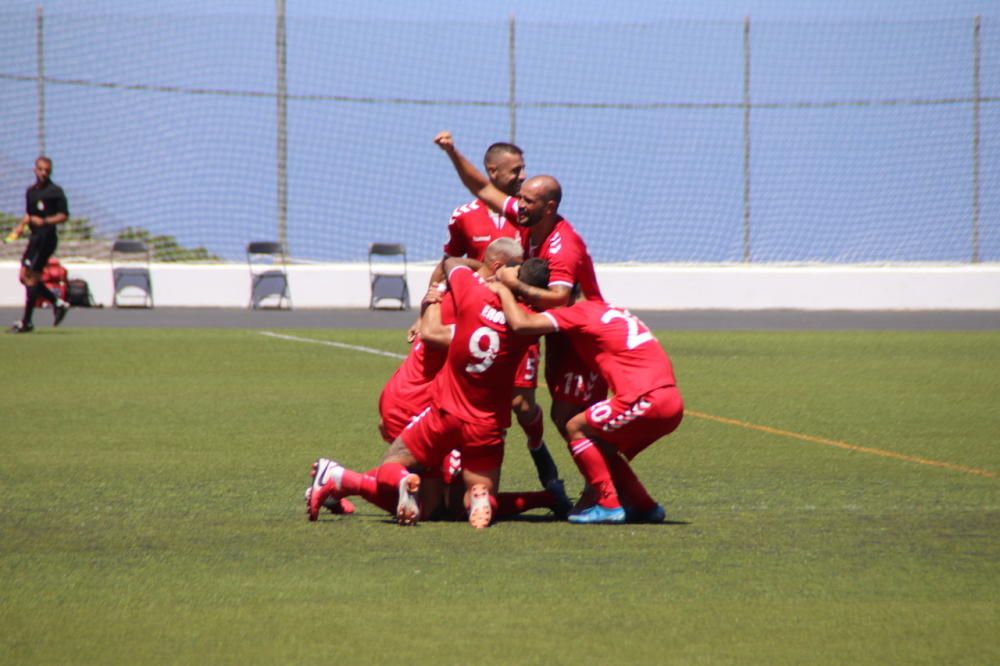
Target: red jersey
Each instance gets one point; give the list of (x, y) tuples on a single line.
[(473, 227), (409, 386), (477, 382), (569, 261), (618, 345)]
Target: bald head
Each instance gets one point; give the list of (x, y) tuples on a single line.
[(503, 250), (546, 187)]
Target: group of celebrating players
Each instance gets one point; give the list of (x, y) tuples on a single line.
[(514, 270)]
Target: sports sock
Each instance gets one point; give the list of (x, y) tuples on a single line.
[(30, 296), (534, 429), (387, 477), (628, 484), (365, 485), (358, 483), (594, 468), (43, 292)]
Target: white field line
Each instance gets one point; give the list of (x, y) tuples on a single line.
[(338, 345)]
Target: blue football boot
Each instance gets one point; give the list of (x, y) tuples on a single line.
[(599, 515)]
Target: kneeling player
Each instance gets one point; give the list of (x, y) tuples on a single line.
[(469, 410), (646, 404)]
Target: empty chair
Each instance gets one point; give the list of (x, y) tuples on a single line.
[(387, 271), (130, 273), (268, 275)]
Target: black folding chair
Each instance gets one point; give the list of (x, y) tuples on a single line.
[(387, 272), (268, 275)]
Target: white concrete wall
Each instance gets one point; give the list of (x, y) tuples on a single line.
[(646, 287)]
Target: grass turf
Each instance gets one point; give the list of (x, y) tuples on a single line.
[(152, 484)]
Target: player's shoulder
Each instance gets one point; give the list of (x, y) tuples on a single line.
[(461, 276), (465, 210)]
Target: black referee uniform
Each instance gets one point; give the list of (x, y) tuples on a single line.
[(43, 201)]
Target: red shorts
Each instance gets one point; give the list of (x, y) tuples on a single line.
[(569, 378), (396, 414), (631, 427), (527, 371), (434, 433)]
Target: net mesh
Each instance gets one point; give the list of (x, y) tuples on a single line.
[(862, 142)]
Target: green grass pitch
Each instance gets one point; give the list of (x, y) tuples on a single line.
[(152, 512)]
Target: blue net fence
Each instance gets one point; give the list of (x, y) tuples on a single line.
[(851, 142)]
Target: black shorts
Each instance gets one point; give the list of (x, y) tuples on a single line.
[(41, 246)]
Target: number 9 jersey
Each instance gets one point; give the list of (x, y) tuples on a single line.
[(477, 381)]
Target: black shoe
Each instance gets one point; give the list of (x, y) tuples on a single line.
[(21, 327), (59, 313), (563, 504)]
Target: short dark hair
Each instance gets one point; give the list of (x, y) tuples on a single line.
[(535, 272), (500, 148)]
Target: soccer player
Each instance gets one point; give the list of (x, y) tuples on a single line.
[(472, 228), (573, 385), (470, 409), (45, 208), (646, 404)]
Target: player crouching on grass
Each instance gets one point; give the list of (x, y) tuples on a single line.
[(469, 410), (608, 434)]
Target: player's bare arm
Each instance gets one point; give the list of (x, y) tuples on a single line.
[(520, 320), (473, 179), (437, 277), (440, 271), (432, 331), (537, 297)]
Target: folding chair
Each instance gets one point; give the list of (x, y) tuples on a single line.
[(268, 276), (387, 272), (133, 282)]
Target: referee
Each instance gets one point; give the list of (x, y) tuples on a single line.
[(45, 208)]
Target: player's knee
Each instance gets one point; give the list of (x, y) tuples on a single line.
[(398, 453), (576, 428)]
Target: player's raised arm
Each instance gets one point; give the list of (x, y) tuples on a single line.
[(432, 331), (473, 179)]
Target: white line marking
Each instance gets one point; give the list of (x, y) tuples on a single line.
[(331, 343)]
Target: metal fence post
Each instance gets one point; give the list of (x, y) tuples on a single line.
[(512, 68), (40, 56), (282, 122), (746, 140), (976, 99)]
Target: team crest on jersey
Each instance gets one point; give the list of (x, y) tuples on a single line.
[(41, 205)]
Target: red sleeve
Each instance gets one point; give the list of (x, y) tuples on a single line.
[(460, 279), (570, 318), (510, 210), (456, 245)]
